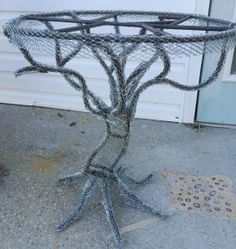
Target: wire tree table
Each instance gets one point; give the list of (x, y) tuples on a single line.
[(114, 38)]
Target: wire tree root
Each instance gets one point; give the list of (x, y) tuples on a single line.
[(102, 168), (103, 183)]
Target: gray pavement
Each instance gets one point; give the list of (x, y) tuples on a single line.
[(38, 145)]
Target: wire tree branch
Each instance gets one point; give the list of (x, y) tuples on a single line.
[(205, 83), (132, 103), (135, 77), (80, 85), (147, 40), (28, 69), (112, 81)]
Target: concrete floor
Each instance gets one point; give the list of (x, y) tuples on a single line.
[(38, 145)]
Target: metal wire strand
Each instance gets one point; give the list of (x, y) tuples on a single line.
[(107, 203), (205, 83), (135, 201), (146, 41), (87, 191)]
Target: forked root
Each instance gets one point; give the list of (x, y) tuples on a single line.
[(104, 184), (71, 178)]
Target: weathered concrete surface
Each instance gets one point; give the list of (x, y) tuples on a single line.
[(39, 145)]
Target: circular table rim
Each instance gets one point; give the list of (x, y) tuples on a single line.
[(12, 25)]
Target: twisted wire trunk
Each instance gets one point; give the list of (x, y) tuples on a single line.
[(106, 156), (102, 168)]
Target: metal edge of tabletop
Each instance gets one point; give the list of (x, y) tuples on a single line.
[(13, 23)]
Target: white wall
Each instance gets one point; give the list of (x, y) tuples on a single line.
[(162, 102)]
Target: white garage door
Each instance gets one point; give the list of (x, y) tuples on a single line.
[(50, 90)]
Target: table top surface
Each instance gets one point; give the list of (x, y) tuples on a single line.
[(124, 27)]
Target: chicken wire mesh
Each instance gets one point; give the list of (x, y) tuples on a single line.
[(114, 37), (79, 31)]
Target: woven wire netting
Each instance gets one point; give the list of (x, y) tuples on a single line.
[(37, 33), (144, 36)]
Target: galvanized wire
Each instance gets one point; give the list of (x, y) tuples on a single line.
[(35, 35), (143, 42)]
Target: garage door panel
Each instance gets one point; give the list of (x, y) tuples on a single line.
[(45, 5), (155, 95), (96, 79), (73, 102), (159, 102)]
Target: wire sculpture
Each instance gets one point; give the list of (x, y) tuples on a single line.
[(85, 34)]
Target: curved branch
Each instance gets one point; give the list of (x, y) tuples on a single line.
[(160, 79), (118, 63), (101, 107), (79, 87), (113, 86), (135, 77), (212, 78), (131, 106), (59, 60), (77, 49), (71, 55), (58, 54), (116, 66), (127, 50), (62, 61), (166, 62), (96, 100), (29, 69)]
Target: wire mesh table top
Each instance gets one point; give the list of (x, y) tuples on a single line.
[(179, 34), (113, 37)]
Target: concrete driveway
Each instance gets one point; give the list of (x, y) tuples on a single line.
[(195, 175)]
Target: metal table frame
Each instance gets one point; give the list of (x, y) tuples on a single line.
[(102, 168)]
